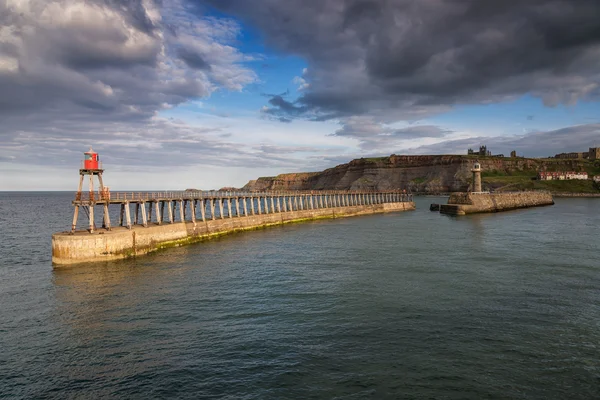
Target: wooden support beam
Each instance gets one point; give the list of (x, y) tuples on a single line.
[(92, 198), (203, 210), (75, 215), (252, 204), (272, 204), (212, 209), (221, 208), (181, 211), (91, 212), (150, 207), (157, 212), (127, 216), (106, 218), (144, 219), (259, 206), (192, 204), (229, 207), (170, 211)]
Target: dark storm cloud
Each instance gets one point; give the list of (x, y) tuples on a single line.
[(403, 59), (134, 11)]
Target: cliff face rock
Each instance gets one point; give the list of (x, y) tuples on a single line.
[(295, 181), (425, 174)]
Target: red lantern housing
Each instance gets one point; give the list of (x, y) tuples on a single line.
[(91, 160)]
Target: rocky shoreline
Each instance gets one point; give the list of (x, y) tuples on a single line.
[(567, 194)]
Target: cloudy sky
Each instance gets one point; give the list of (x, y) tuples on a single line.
[(211, 93)]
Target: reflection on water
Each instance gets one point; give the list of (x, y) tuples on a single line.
[(407, 305)]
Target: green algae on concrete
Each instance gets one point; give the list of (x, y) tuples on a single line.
[(120, 242)]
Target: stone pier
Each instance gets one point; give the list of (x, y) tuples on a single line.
[(169, 219), (470, 203)]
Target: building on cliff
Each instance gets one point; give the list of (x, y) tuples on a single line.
[(592, 154), (562, 176), (579, 155), (483, 151)]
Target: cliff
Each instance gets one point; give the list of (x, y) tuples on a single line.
[(428, 174)]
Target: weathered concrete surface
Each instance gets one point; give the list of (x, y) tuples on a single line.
[(470, 203), (84, 247)]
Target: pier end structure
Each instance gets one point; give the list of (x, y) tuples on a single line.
[(478, 201), (472, 203)]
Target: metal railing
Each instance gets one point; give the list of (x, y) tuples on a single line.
[(190, 195)]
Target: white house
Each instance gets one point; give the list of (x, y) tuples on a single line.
[(576, 175)]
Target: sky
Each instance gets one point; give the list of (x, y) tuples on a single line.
[(177, 94)]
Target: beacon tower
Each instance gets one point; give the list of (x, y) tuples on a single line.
[(476, 177), (91, 167)]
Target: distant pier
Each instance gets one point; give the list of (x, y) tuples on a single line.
[(478, 201), (472, 203)]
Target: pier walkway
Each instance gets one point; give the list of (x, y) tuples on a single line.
[(191, 206)]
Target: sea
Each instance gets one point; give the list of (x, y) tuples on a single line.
[(410, 305)]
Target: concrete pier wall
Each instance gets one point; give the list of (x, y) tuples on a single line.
[(121, 242), (469, 203)]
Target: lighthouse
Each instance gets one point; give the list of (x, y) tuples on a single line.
[(476, 177), (91, 167)]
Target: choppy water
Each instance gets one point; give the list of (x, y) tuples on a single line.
[(407, 305)]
